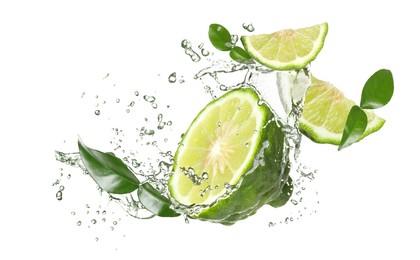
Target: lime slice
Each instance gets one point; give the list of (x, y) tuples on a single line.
[(325, 113), (230, 159), (287, 49)]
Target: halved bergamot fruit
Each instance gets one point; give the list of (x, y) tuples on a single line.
[(230, 161)]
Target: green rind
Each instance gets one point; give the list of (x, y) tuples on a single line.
[(261, 186), (257, 188), (287, 65), (309, 131)]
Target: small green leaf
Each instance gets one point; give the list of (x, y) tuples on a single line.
[(378, 90), (108, 171), (240, 55), (155, 202), (220, 37), (354, 128)]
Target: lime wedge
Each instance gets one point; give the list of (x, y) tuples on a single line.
[(325, 113), (287, 49), (230, 159)]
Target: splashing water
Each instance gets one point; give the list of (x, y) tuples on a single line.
[(283, 92), (186, 45), (248, 27)]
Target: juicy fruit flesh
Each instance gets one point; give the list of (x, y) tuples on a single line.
[(325, 106), (325, 113), (287, 49), (214, 151)]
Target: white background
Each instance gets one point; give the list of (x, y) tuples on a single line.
[(52, 51)]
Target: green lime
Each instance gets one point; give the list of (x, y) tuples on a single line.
[(325, 113), (287, 49), (230, 161)]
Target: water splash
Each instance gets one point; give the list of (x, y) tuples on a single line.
[(249, 27), (204, 52), (283, 92), (186, 45)]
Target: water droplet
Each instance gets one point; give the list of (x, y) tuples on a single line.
[(79, 223), (96, 239), (271, 224), (73, 213), (68, 176), (294, 202), (204, 175), (93, 221), (223, 87), (97, 112), (181, 80), (115, 222), (61, 188), (219, 123), (112, 228), (127, 110), (234, 39), (185, 44), (149, 99), (59, 195), (247, 145), (248, 27), (154, 105), (205, 52), (117, 100), (172, 78), (135, 163), (136, 93), (132, 103), (189, 51), (103, 219)]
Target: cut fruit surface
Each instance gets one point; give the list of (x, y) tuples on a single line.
[(325, 113), (218, 148), (287, 49), (230, 160)]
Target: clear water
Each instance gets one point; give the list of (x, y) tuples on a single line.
[(283, 92)]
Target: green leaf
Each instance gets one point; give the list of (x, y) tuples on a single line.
[(240, 55), (108, 171), (155, 202), (220, 37), (378, 90), (354, 128)]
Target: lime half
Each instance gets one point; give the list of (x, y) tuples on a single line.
[(325, 113), (287, 49), (230, 159)]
